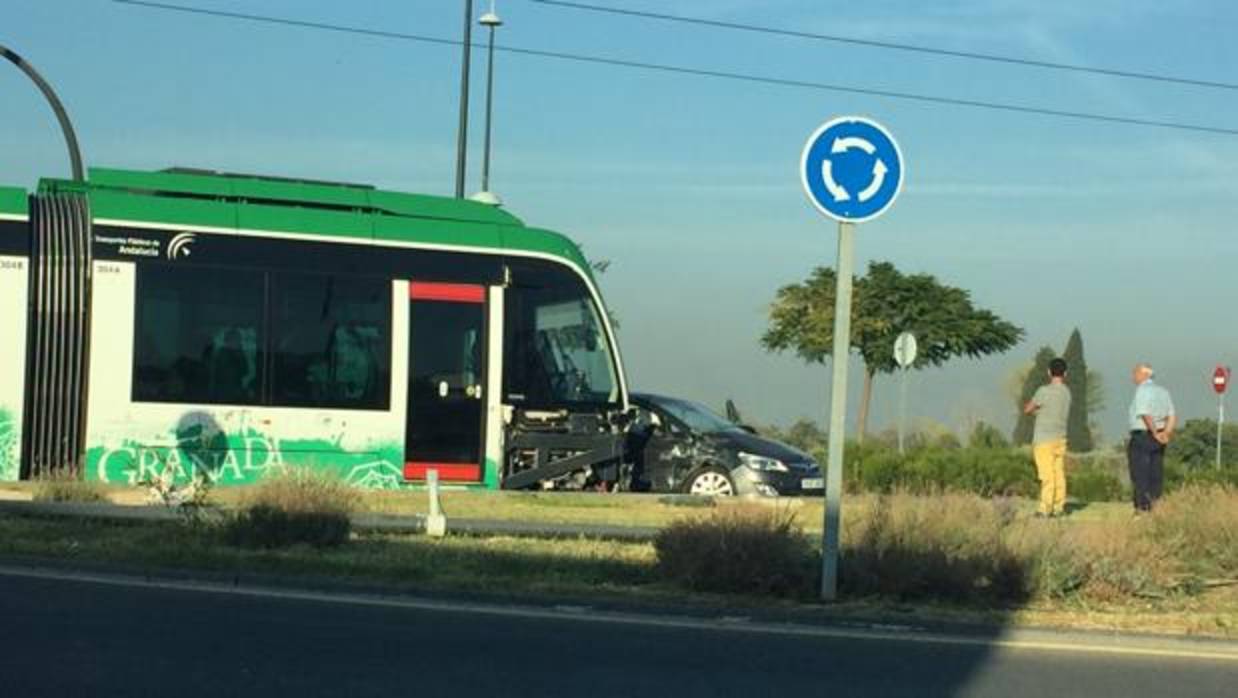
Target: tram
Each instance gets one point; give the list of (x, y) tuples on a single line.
[(193, 322)]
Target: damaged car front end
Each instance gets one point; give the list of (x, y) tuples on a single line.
[(681, 446)]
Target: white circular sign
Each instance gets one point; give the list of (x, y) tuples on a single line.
[(905, 348)]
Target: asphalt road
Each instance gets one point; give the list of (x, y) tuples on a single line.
[(78, 637)]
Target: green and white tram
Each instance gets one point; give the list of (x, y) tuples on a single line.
[(203, 322)]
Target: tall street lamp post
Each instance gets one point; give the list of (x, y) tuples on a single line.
[(491, 21), (462, 135)]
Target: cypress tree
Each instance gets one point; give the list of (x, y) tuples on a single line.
[(1036, 376), (1078, 432)]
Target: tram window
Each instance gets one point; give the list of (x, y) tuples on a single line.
[(331, 341), (556, 349), (199, 336)]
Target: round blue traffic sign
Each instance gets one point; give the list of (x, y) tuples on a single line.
[(852, 169)]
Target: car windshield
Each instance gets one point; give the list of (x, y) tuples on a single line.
[(698, 417)]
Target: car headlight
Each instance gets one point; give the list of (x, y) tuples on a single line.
[(762, 463)]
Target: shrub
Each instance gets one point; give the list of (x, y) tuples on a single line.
[(64, 486), (738, 549), (875, 469), (949, 546), (1191, 538), (294, 507), (985, 435), (1194, 446), (992, 471), (1199, 526), (1091, 484), (1178, 476), (1111, 562), (984, 471), (954, 546)]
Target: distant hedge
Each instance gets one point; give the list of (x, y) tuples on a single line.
[(986, 471)]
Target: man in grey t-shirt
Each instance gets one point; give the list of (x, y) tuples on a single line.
[(1051, 405)]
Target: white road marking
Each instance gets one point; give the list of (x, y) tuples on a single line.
[(561, 613)]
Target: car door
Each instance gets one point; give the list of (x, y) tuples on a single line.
[(666, 455)]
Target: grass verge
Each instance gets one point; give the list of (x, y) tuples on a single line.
[(953, 556)]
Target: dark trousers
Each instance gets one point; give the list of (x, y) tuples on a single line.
[(1146, 459)]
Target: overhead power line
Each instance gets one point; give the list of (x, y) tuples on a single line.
[(699, 72), (890, 45)]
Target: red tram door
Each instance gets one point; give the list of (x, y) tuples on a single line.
[(446, 376)]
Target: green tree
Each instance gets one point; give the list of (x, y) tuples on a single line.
[(1037, 375), (1194, 446), (1095, 400), (1078, 431), (885, 303), (986, 435), (805, 435)]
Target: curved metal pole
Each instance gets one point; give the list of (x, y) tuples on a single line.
[(75, 154)]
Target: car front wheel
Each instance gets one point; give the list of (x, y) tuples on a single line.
[(711, 482)]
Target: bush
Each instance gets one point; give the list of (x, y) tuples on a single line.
[(874, 469), (1092, 484), (64, 486), (1199, 525), (1194, 446), (959, 547), (1103, 563), (949, 546), (294, 507), (986, 435), (738, 549), (984, 471), (1179, 476)]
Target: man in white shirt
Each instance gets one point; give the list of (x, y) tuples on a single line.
[(1152, 423)]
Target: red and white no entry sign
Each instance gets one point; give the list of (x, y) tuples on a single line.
[(1220, 380)]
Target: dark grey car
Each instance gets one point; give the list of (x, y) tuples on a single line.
[(682, 446)]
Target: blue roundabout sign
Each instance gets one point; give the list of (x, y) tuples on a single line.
[(852, 169)]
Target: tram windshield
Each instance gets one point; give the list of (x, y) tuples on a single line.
[(556, 346)]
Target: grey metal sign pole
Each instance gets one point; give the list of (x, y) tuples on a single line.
[(851, 170), (904, 355), (838, 411), (902, 410), (1220, 383), (1220, 425)]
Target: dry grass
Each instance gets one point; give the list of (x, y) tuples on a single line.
[(304, 491), (1200, 525), (64, 486), (738, 550), (297, 506), (948, 546), (964, 549)]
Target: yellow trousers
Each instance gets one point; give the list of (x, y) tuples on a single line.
[(1051, 469)]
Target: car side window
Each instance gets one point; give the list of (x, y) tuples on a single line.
[(671, 425), (643, 418)]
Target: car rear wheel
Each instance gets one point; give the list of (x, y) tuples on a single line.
[(711, 482)]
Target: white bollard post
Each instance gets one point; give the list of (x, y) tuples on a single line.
[(436, 522)]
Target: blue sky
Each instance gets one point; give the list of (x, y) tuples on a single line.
[(689, 184)]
